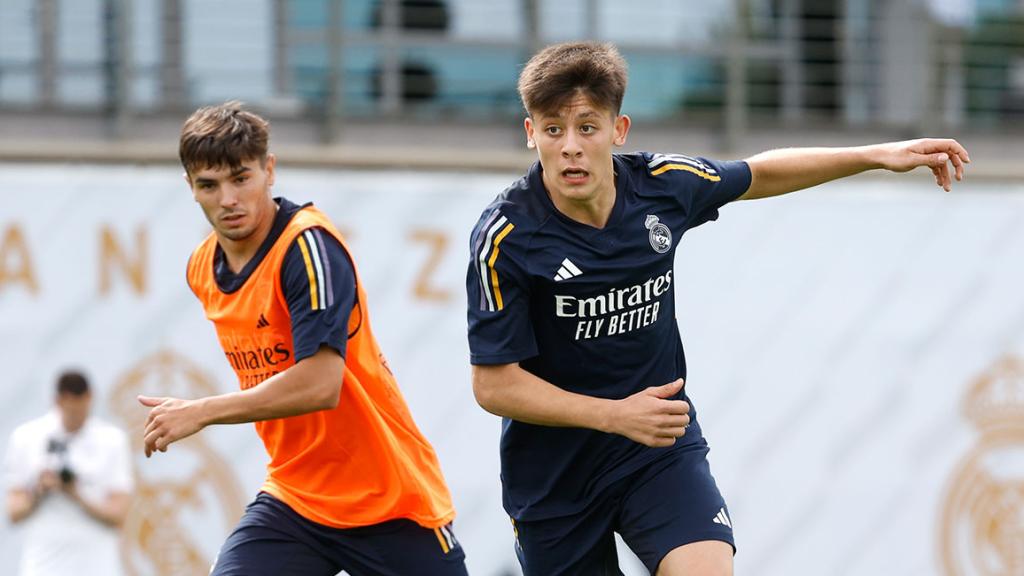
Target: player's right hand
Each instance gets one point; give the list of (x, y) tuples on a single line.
[(650, 417), (169, 420)]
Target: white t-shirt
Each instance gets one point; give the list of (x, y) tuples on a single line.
[(60, 537)]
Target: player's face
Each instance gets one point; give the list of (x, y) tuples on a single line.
[(237, 202), (74, 410), (575, 149)]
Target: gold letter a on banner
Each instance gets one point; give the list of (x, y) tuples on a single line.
[(13, 244)]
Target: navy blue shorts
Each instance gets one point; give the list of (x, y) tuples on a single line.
[(669, 503), (272, 539)]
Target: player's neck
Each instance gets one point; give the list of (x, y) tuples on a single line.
[(592, 211)]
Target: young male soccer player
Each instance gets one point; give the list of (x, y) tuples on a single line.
[(352, 484), (572, 325)]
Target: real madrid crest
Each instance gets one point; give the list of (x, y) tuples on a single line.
[(182, 505), (982, 529), (659, 234)]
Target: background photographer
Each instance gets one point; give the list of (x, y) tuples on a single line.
[(69, 484)]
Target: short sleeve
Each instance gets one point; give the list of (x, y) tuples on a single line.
[(119, 477), (701, 185), (17, 473), (498, 293), (319, 285)]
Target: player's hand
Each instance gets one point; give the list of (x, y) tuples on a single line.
[(71, 489), (170, 420), (48, 482), (650, 418), (935, 153)]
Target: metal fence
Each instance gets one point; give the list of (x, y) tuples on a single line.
[(833, 63)]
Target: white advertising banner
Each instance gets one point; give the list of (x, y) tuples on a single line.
[(855, 352)]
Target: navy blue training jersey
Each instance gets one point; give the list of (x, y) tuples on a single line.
[(589, 310), (312, 326)]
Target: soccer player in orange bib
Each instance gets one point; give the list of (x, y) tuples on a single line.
[(352, 484)]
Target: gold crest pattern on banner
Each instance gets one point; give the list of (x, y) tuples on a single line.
[(982, 530), (178, 497)]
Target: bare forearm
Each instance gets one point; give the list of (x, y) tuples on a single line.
[(313, 384), (308, 386), (111, 511), (514, 393), (20, 504), (786, 170), (781, 171)]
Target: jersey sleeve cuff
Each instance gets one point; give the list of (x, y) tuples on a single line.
[(501, 357), (740, 170), (303, 353)]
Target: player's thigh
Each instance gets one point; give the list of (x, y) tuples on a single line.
[(268, 541), (578, 545), (673, 503), (401, 547), (705, 558)]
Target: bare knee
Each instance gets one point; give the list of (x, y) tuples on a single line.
[(705, 558)]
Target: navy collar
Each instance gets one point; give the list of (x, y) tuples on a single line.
[(229, 282), (622, 183)]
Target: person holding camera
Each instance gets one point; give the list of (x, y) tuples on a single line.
[(69, 485)]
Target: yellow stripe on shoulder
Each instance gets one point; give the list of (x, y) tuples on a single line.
[(686, 168), (310, 272), (490, 264)]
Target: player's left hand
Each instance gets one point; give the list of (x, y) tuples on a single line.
[(935, 153), (170, 420)]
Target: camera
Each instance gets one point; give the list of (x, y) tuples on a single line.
[(59, 449), (67, 475)]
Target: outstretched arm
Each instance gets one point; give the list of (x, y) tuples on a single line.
[(313, 383), (786, 170), (319, 336), (647, 417)]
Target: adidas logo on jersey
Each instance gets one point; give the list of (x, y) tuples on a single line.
[(567, 270), (262, 322), (722, 518)]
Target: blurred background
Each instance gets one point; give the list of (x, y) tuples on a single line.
[(856, 352), (347, 76)]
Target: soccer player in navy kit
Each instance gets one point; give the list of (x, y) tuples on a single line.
[(572, 328)]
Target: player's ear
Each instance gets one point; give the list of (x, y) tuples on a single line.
[(188, 182), (271, 162), (528, 126), (622, 123)]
